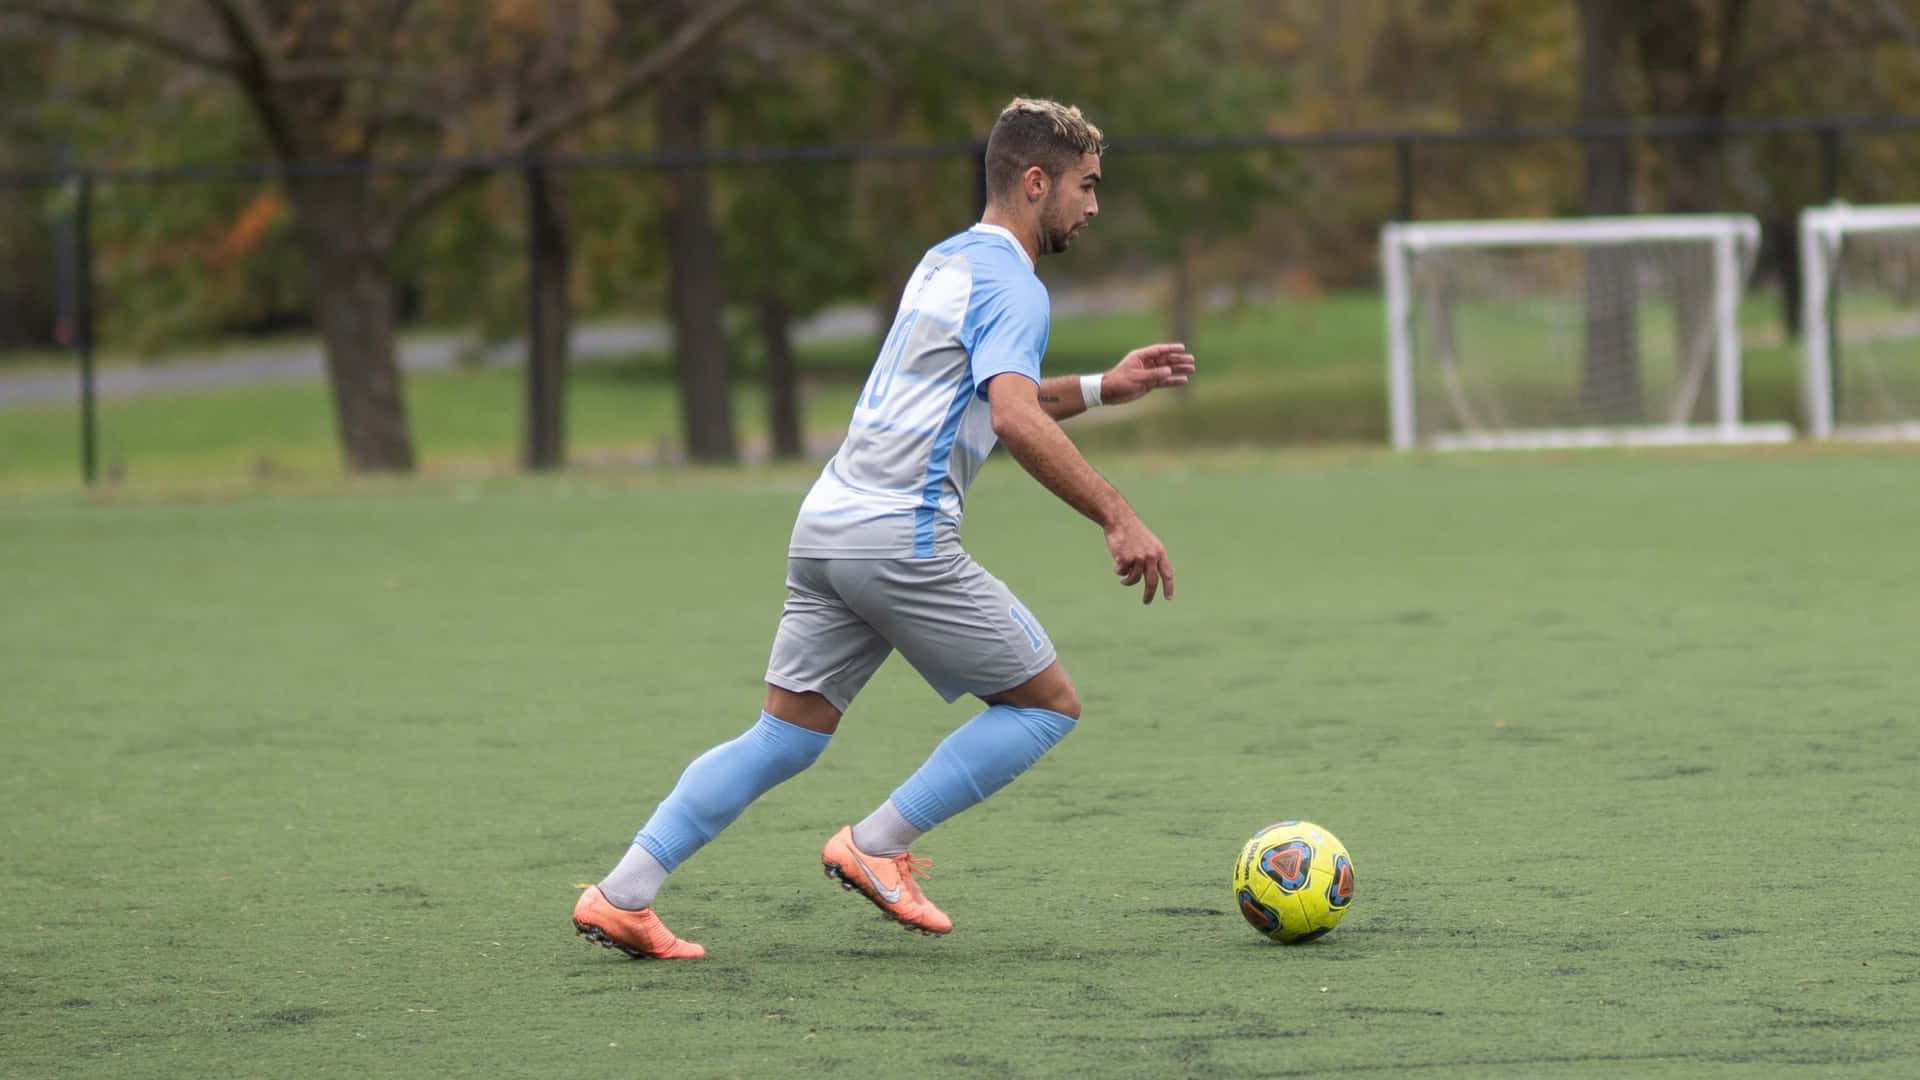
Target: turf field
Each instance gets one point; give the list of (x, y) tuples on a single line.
[(1624, 746)]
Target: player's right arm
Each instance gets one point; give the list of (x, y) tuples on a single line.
[(1036, 441)]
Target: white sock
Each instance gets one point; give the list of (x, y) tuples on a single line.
[(634, 882), (885, 832)]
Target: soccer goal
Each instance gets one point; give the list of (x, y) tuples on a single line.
[(1613, 331), (1860, 321)]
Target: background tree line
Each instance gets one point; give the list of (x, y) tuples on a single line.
[(329, 89)]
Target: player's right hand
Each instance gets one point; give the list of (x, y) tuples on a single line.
[(1138, 556), (1146, 369)]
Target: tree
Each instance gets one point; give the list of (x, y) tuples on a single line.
[(335, 86), (541, 46), (683, 124), (1610, 378), (26, 289), (790, 230), (1838, 56), (783, 241), (790, 250), (1182, 207), (1687, 54)]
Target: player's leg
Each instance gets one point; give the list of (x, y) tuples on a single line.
[(1052, 690), (810, 709), (979, 758), (822, 655), (966, 634), (713, 790)]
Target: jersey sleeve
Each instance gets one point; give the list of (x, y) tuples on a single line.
[(1007, 331)]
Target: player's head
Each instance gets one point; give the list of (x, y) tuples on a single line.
[(1043, 160)]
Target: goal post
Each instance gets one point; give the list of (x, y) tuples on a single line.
[(1603, 331), (1860, 321)]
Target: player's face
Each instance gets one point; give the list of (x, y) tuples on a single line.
[(1070, 205)]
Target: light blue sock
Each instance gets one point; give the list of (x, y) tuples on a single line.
[(720, 783), (978, 759)]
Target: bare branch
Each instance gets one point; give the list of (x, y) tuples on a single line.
[(420, 115), (253, 70), (259, 28), (570, 114), (346, 69), (109, 24), (1840, 26), (688, 38), (838, 32), (388, 23)]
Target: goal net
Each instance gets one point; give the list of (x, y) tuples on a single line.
[(1860, 323), (1575, 332)]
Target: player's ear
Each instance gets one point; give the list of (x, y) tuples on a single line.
[(1034, 181)]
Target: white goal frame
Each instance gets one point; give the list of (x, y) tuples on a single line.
[(1735, 238), (1821, 231)]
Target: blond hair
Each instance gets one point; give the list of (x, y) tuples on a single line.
[(1035, 131)]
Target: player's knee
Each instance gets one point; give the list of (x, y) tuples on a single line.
[(1067, 702), (1066, 695), (1052, 690), (1059, 696), (810, 710)]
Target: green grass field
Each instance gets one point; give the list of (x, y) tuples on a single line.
[(1624, 747)]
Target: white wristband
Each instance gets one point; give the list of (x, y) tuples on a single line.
[(1090, 390)]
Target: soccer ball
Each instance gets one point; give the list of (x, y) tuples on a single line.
[(1294, 881)]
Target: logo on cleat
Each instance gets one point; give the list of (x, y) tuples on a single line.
[(891, 896)]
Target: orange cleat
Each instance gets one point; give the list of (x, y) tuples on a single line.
[(888, 881), (639, 934)]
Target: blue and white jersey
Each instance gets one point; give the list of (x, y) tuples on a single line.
[(922, 428)]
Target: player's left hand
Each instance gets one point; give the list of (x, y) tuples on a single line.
[(1146, 369)]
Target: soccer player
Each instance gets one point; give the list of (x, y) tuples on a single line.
[(875, 563)]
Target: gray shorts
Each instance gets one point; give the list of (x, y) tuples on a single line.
[(959, 626)]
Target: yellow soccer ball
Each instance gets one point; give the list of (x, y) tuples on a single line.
[(1294, 881)]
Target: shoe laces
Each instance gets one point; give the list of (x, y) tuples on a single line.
[(910, 868)]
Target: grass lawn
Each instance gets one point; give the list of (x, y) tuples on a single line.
[(1623, 745), (1304, 371)]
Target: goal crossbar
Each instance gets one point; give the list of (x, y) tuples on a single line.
[(1420, 236)]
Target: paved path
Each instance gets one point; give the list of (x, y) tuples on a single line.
[(302, 361)]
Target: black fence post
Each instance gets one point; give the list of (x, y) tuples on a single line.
[(82, 270), (545, 331)]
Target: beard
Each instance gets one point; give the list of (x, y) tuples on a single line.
[(1055, 236), (1057, 227)]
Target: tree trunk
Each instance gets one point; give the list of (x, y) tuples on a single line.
[(693, 276), (1610, 382), (783, 391), (1780, 249), (549, 322), (353, 305), (1687, 75)]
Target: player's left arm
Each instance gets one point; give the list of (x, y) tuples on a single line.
[(1139, 373)]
